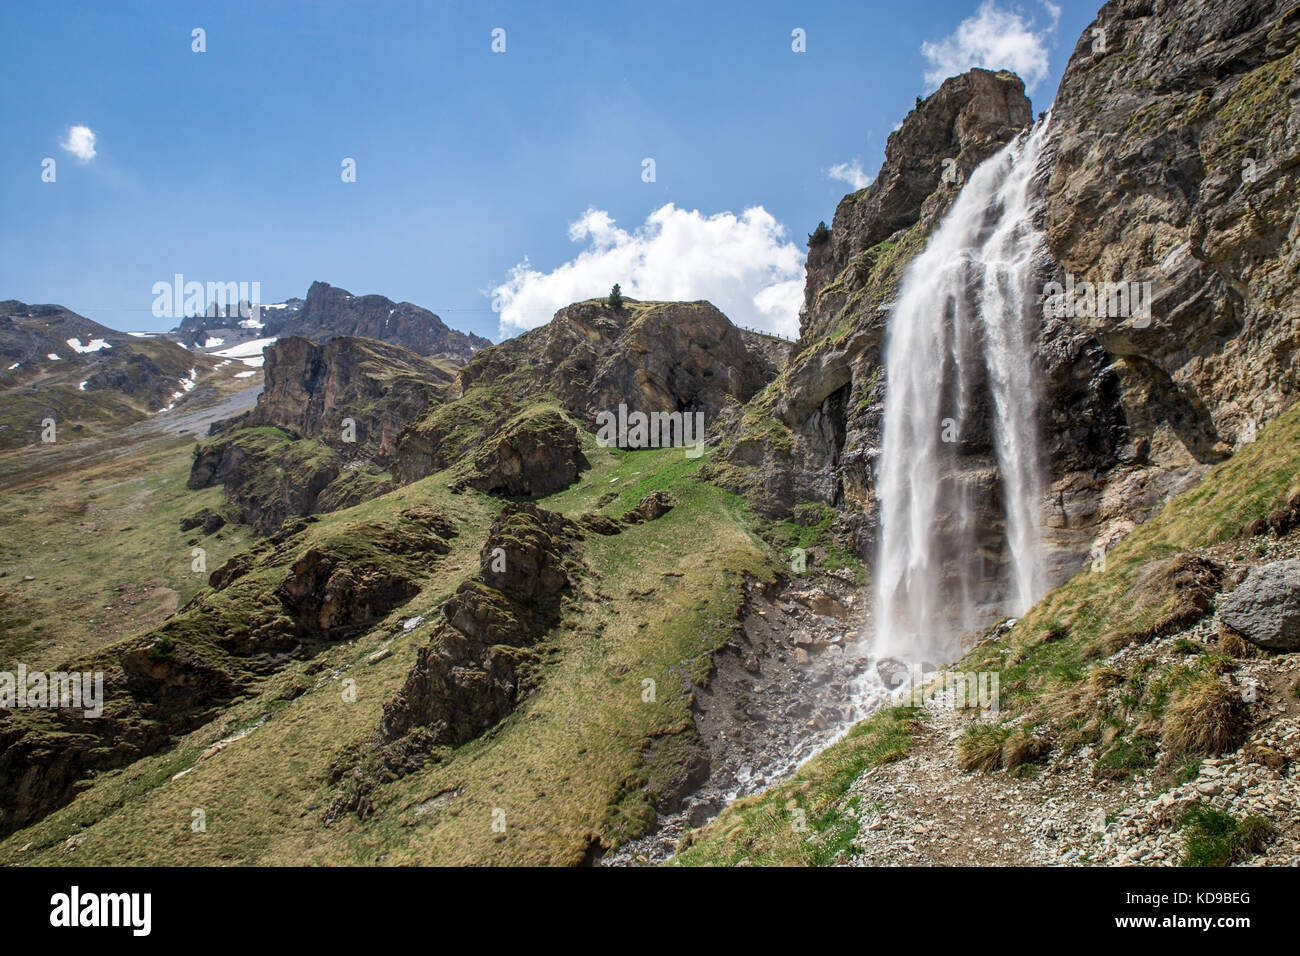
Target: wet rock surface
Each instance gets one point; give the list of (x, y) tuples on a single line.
[(779, 691)]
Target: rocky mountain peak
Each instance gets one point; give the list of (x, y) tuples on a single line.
[(329, 311), (946, 136)]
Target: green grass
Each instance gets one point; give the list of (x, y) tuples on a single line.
[(105, 548), (77, 414), (811, 528), (570, 766), (1058, 642), (1212, 837)]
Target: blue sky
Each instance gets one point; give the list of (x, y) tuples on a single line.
[(225, 165)]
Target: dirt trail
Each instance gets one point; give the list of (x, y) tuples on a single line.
[(925, 811)]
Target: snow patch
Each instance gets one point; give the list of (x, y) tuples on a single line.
[(250, 353), (94, 345)]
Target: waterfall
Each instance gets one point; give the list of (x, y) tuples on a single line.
[(961, 419)]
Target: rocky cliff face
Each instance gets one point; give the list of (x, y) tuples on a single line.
[(1177, 162), (313, 390), (926, 160), (813, 434), (1172, 167), (329, 311), (649, 356), (324, 429)]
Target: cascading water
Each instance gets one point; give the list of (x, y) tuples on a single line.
[(961, 377)]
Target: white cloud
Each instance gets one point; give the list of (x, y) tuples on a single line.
[(80, 143), (850, 173), (745, 265), (995, 39)]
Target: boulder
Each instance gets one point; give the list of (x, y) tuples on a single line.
[(652, 506), (1265, 607)]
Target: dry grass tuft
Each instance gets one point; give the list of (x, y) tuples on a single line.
[(1021, 747), (1203, 717), (980, 748), (1234, 645)]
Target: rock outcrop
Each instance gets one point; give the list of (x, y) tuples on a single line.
[(177, 676), (325, 427), (647, 356), (1177, 162), (652, 506), (315, 391), (476, 667), (534, 455), (329, 311), (927, 159), (268, 475)]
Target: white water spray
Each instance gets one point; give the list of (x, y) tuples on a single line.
[(960, 369)]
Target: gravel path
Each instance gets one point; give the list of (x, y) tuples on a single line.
[(924, 810)]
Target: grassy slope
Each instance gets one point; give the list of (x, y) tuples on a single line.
[(1036, 662), (106, 551), (567, 766)]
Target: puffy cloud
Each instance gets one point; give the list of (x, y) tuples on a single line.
[(995, 39), (850, 173), (745, 265), (80, 142)]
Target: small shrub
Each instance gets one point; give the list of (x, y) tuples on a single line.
[(1125, 757), (819, 235), (1233, 644)]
